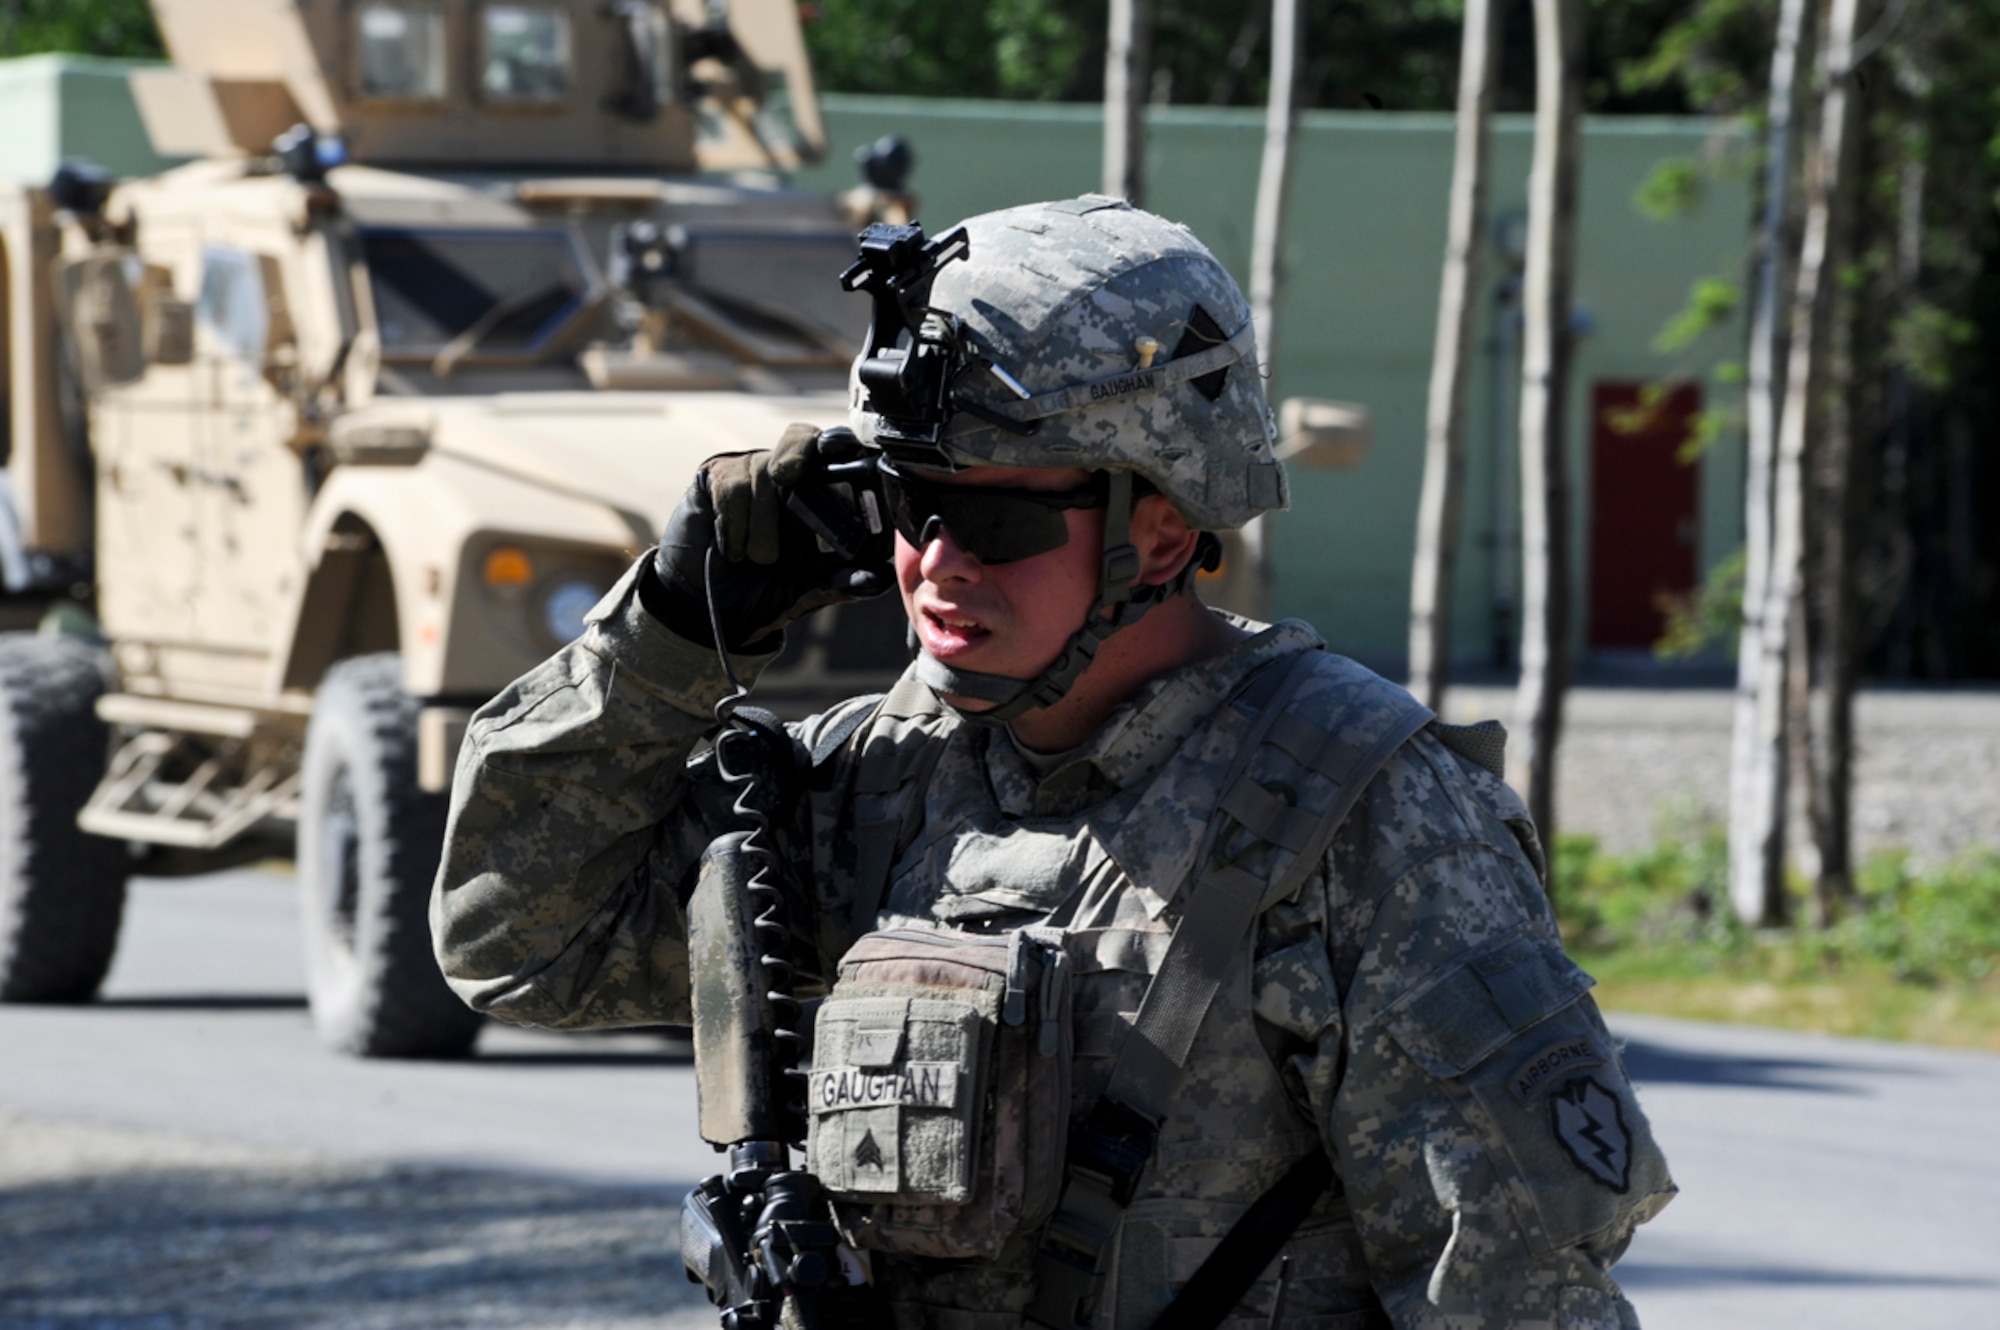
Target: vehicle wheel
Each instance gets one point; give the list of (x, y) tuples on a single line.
[(369, 841), (62, 891)]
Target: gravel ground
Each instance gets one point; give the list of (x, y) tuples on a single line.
[(120, 1230), (1639, 761)]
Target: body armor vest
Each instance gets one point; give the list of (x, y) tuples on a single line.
[(1113, 879)]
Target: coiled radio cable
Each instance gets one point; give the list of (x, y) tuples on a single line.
[(754, 754)]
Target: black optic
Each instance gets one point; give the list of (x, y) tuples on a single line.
[(992, 524)]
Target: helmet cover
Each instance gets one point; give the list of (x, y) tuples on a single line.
[(1123, 341)]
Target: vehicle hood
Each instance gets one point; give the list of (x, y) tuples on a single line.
[(633, 452)]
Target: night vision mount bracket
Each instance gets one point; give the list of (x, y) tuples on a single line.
[(915, 356)]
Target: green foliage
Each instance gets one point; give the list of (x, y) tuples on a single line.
[(1673, 188), (1943, 928), (1709, 616), (1709, 426), (79, 27), (1025, 49), (1712, 300), (1673, 895), (1926, 341), (1717, 51), (1670, 904), (1396, 54)]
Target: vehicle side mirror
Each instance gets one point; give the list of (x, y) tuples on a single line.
[(169, 335), (103, 321)]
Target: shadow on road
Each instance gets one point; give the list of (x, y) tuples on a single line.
[(1654, 1064), (1637, 1274), (336, 1246), (586, 1058), (208, 1002)]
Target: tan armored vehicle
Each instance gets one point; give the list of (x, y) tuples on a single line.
[(339, 430)]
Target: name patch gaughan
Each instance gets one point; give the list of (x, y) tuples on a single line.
[(1118, 387), (1570, 1055), (912, 1085)]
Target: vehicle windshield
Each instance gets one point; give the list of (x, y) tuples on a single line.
[(432, 286), (793, 276)]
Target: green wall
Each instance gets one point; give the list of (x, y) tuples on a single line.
[(54, 107), (1358, 305)]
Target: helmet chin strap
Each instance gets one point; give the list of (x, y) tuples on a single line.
[(1119, 604)]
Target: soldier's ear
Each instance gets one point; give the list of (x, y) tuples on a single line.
[(1163, 538)]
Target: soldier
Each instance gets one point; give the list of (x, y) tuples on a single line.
[(1295, 959)]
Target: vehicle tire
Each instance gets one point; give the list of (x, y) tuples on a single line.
[(62, 891), (368, 847)]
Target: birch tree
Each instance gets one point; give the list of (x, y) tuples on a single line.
[(1852, 409), (1127, 72), (1756, 806), (1274, 186), (1546, 344), (1439, 506), (1757, 847)]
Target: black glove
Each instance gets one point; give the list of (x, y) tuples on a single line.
[(769, 567)]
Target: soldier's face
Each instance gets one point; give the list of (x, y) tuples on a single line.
[(1013, 618)]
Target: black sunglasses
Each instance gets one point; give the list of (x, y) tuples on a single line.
[(992, 524)]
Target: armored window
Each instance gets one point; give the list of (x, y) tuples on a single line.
[(232, 305), (400, 51), (525, 54), (509, 291)]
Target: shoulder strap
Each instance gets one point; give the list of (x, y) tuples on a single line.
[(1111, 1150), (859, 712), (881, 768), (1220, 1282)]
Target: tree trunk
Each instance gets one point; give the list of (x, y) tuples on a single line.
[(1837, 518), (1831, 752), (1274, 187), (1899, 452), (1546, 651), (1458, 313), (1128, 61), (1274, 178), (1756, 790), (1784, 596)]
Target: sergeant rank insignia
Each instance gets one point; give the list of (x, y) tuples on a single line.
[(1590, 1123), (868, 1154)]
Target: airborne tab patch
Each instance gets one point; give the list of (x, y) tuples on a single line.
[(1538, 1072), (912, 1085)]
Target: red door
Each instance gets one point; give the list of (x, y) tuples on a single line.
[(1643, 504)]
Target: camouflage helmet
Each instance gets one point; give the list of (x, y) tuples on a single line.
[(1125, 343)]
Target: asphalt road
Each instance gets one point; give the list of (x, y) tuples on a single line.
[(1826, 1183)]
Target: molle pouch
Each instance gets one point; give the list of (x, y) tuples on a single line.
[(938, 1101)]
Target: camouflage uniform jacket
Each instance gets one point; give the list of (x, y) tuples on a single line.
[(1409, 1008)]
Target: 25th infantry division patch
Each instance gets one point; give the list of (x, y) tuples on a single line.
[(1590, 1123)]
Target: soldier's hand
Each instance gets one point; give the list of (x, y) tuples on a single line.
[(769, 568)]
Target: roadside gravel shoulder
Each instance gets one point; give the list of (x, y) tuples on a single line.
[(102, 1227), (1639, 763)]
